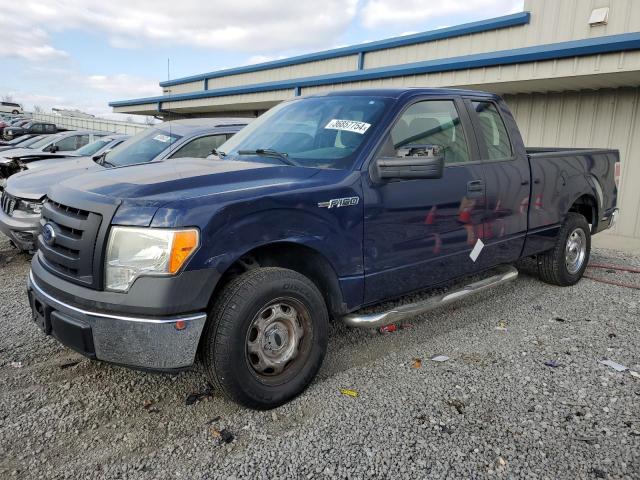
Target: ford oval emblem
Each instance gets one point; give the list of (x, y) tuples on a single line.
[(48, 234)]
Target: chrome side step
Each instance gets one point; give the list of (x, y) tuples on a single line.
[(404, 312)]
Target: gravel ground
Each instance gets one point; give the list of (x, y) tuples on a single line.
[(494, 409)]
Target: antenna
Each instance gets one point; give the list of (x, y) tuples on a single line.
[(169, 99)]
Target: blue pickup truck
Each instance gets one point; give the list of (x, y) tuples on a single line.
[(322, 206)]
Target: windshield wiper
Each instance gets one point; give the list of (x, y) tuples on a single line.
[(267, 152)]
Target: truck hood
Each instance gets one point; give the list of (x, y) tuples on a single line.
[(34, 183), (159, 183)]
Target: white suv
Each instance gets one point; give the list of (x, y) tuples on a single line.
[(11, 107)]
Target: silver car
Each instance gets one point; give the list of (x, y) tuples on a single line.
[(23, 197)]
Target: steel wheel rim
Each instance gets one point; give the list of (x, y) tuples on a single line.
[(575, 250), (277, 342)]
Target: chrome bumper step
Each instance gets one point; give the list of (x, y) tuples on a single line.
[(403, 312)]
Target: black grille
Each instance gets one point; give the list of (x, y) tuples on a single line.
[(8, 203), (68, 247)]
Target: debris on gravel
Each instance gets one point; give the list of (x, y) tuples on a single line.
[(493, 409)]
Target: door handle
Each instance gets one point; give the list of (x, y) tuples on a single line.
[(475, 187)]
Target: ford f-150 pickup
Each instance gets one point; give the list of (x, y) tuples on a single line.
[(320, 207)]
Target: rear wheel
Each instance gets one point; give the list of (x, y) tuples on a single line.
[(15, 112), (266, 337), (565, 264)]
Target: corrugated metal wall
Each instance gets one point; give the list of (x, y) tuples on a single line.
[(552, 21), (608, 118)]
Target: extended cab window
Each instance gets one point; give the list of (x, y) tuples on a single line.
[(431, 122), (493, 131), (200, 147)]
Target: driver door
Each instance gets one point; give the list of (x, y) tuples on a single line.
[(419, 232)]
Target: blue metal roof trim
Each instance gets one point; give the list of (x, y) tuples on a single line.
[(449, 32), (575, 48)]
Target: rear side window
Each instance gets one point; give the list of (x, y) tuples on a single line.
[(200, 147), (493, 131)]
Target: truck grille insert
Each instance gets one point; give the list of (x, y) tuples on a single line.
[(8, 203), (67, 242)]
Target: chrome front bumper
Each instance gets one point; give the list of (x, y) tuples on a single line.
[(166, 343)]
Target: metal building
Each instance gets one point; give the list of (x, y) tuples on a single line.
[(570, 70)]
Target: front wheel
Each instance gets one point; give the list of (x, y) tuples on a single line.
[(15, 112), (565, 264), (266, 337)]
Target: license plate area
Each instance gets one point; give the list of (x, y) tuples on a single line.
[(41, 313)]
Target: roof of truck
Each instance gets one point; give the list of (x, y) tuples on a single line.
[(399, 92)]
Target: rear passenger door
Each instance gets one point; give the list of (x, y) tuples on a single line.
[(506, 172), (419, 232)]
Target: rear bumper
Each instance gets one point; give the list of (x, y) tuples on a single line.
[(154, 343), (22, 231), (608, 220)]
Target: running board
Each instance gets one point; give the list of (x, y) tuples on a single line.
[(403, 312)]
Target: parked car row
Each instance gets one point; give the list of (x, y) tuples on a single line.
[(150, 258), (35, 168), (29, 127)]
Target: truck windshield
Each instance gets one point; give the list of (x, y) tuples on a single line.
[(321, 132), (141, 148)]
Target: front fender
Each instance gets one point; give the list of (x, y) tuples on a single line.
[(230, 225), (336, 236)]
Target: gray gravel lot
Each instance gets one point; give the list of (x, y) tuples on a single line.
[(494, 409)]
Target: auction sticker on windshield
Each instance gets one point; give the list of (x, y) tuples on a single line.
[(348, 126), (162, 138)]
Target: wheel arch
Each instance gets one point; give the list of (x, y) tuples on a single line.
[(587, 205), (295, 256)]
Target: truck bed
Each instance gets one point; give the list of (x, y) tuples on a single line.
[(562, 175)]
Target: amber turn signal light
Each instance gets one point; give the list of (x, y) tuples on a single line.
[(184, 244)]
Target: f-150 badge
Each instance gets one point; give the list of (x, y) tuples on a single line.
[(340, 202)]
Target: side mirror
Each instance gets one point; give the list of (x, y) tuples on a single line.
[(53, 148), (412, 161)]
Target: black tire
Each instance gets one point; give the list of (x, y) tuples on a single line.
[(15, 112), (225, 350), (552, 265)]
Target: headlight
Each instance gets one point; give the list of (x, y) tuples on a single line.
[(136, 252), (27, 209)]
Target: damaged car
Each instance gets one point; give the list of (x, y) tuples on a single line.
[(18, 159)]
